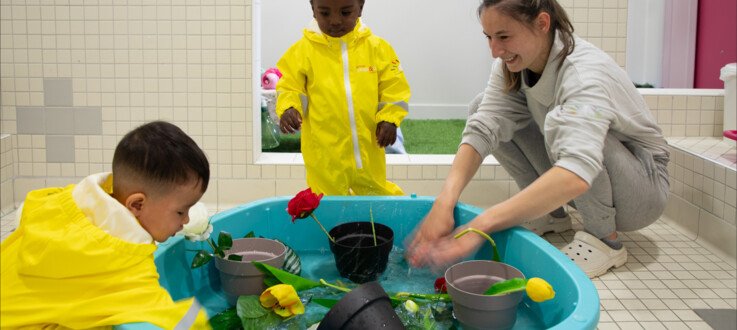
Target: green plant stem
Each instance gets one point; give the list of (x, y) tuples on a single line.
[(215, 248), (485, 235), (323, 228), (373, 230), (431, 296), (339, 288)]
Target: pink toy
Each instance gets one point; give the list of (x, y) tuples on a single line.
[(731, 134), (269, 78)]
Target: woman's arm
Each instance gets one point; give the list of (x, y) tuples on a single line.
[(554, 188), (439, 221)]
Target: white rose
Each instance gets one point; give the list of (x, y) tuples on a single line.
[(198, 228)]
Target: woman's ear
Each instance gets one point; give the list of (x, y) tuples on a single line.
[(135, 202), (542, 23)]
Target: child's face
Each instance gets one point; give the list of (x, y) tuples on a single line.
[(164, 215), (336, 18), (520, 46)]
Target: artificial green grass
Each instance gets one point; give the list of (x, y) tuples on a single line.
[(432, 136), (427, 136), (287, 143)]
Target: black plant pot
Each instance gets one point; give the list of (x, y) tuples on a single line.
[(356, 256), (365, 307)]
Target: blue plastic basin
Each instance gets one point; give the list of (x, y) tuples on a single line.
[(576, 304)]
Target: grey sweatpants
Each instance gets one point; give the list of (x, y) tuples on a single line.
[(630, 193)]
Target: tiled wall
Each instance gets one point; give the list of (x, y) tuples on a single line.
[(601, 22), (77, 75), (7, 173), (703, 199), (680, 114)]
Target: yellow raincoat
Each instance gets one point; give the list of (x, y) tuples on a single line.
[(59, 271), (343, 87)]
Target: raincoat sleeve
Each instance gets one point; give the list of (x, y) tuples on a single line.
[(291, 87), (393, 87)]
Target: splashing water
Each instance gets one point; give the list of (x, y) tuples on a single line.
[(398, 277)]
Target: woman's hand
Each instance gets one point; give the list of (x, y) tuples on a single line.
[(290, 121), (437, 224), (386, 134), (448, 250)]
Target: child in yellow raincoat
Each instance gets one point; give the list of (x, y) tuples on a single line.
[(345, 89), (83, 255)]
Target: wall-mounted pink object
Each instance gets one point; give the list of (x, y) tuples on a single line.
[(716, 41)]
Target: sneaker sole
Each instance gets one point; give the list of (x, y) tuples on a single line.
[(619, 262)]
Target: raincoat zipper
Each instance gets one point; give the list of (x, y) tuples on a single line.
[(349, 98)]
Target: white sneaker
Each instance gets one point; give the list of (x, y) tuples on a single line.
[(548, 224), (592, 255)]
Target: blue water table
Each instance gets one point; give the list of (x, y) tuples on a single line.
[(576, 304)]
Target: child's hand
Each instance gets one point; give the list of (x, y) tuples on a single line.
[(386, 134), (290, 121)]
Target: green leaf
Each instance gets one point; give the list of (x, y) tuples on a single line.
[(201, 258), (249, 307), (299, 283), (250, 234), (235, 257), (508, 286), (268, 321), (329, 303), (225, 241), (270, 280), (226, 320)]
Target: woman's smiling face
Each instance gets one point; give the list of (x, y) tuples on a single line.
[(336, 17), (520, 46)]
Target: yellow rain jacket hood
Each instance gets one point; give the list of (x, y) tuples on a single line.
[(61, 271), (343, 87)]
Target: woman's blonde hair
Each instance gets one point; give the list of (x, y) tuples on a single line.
[(525, 12)]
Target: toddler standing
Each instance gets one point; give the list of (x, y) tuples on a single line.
[(345, 89)]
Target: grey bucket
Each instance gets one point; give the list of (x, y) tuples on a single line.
[(466, 282), (242, 277)]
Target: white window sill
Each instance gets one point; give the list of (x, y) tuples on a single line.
[(274, 158)]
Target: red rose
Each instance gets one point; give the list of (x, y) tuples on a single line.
[(303, 204), (440, 285)]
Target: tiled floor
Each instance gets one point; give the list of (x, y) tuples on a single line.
[(666, 278), (714, 148)]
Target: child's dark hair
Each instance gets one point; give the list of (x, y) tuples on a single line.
[(525, 11), (361, 2), (159, 154)]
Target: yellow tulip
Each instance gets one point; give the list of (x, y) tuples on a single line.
[(539, 290), (283, 299)]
